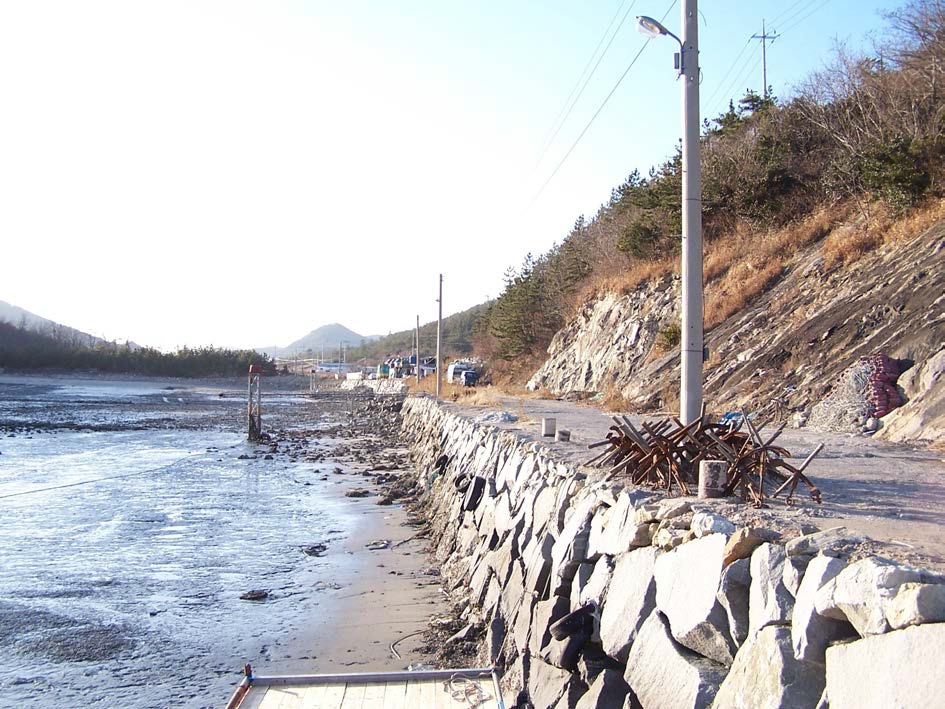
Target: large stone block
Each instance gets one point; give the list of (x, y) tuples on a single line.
[(810, 631), (770, 600), (547, 684), (664, 675), (630, 600), (538, 563), (608, 690), (766, 675), (595, 589), (687, 584), (733, 595), (794, 568), (859, 592), (580, 580), (902, 668), (570, 548), (916, 603), (830, 542), (704, 523), (622, 531), (546, 613)]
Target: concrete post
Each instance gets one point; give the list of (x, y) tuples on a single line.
[(691, 342), (439, 340)]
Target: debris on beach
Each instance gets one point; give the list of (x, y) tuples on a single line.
[(378, 544), (315, 549), (255, 595), (357, 492)]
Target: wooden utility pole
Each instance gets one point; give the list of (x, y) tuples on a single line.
[(418, 350), (439, 340)]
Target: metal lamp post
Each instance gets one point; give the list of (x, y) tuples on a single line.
[(692, 337)]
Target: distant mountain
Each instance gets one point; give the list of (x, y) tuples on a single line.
[(328, 336), (18, 316)]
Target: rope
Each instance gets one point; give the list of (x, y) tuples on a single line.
[(98, 480), (465, 689)]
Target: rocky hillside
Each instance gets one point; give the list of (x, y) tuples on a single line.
[(799, 335)]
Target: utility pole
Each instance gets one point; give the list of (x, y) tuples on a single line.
[(418, 350), (690, 399), (764, 37), (439, 340)]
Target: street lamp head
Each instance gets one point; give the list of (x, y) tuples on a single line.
[(650, 27)]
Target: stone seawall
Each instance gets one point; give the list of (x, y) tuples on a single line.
[(589, 593)]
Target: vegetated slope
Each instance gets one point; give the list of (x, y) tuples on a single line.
[(22, 318), (813, 323), (22, 348), (807, 202), (458, 332)]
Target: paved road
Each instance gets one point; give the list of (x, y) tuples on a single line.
[(891, 492)]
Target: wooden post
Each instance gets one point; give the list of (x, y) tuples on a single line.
[(253, 403), (418, 350)]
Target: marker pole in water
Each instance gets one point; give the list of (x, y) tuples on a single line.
[(253, 403)]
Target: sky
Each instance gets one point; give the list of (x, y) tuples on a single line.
[(237, 173)]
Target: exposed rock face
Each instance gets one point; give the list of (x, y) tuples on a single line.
[(765, 675), (889, 301), (608, 690), (609, 338), (899, 669)]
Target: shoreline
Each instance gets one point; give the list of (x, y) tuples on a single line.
[(335, 610)]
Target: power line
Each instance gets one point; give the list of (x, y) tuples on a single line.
[(588, 79), (584, 71), (597, 112), (732, 66), (727, 94), (804, 18), (791, 17), (786, 11)]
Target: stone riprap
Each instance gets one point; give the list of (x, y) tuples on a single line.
[(577, 581)]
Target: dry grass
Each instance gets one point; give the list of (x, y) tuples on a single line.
[(850, 243), (621, 277)]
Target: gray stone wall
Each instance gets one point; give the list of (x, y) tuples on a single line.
[(673, 606)]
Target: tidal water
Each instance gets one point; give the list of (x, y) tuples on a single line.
[(124, 590)]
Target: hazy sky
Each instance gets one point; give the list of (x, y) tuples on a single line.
[(237, 173)]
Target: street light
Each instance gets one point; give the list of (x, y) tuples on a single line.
[(692, 339)]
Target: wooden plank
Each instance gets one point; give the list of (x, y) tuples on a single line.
[(373, 696), (395, 695), (412, 697), (254, 698), (277, 696), (427, 693), (354, 696), (292, 697), (334, 695)]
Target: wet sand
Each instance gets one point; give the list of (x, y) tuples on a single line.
[(183, 642)]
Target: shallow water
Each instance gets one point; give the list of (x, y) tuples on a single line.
[(125, 591)]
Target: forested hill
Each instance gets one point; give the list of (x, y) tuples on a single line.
[(22, 348), (459, 331), (863, 141)]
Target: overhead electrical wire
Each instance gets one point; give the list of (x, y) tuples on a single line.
[(786, 11), (597, 112), (740, 75), (805, 17), (726, 75), (560, 123), (797, 13)]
